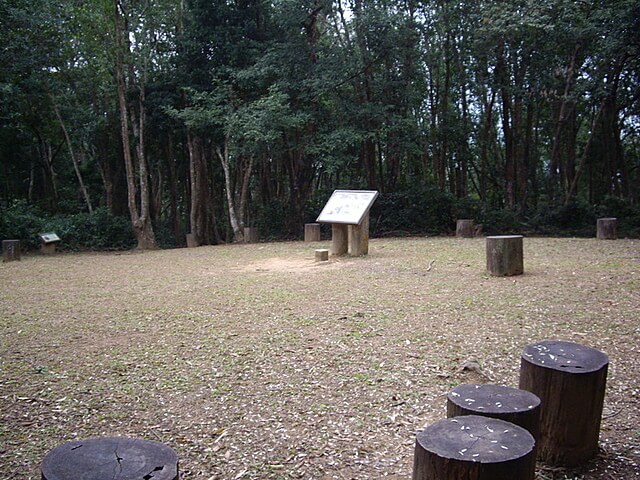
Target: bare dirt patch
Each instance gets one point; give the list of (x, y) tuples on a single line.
[(254, 362)]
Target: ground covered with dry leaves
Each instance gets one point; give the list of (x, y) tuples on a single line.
[(255, 362)]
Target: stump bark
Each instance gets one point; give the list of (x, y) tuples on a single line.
[(607, 228), (339, 238), (570, 380), (505, 255), (465, 228), (250, 235), (192, 241), (359, 238), (111, 457), (311, 232), (519, 407), (10, 250), (474, 448)]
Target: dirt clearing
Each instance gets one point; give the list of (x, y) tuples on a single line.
[(255, 362)]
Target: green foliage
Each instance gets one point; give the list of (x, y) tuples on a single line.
[(82, 231), (97, 231), (272, 220), (416, 210), (576, 219), (21, 221)]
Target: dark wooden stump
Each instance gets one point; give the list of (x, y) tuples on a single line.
[(496, 401), (192, 240), (570, 380), (111, 458), (504, 255), (10, 250), (474, 448), (607, 228), (465, 228), (339, 238), (311, 232), (250, 235)]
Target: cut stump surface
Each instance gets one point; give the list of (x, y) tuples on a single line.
[(111, 457), (474, 448), (496, 401)]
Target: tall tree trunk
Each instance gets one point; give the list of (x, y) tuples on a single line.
[(74, 159), (502, 78), (566, 105), (140, 221), (223, 156)]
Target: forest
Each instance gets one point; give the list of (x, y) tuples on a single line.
[(131, 123)]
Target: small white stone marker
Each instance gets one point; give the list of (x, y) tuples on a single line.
[(322, 255)]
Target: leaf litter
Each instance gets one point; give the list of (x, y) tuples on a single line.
[(253, 362)]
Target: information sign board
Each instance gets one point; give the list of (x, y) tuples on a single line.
[(49, 237), (347, 206)]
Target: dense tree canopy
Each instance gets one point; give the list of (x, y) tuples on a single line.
[(201, 116)]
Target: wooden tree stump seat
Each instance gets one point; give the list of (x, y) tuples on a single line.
[(472, 447), (109, 458), (465, 228), (311, 232), (10, 250), (607, 228), (519, 407), (505, 255), (250, 234), (570, 380)]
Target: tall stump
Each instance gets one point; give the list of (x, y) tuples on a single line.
[(250, 235), (465, 228), (111, 458), (570, 380), (474, 448), (339, 238), (504, 255), (496, 401), (311, 232), (10, 250), (192, 240), (607, 228)]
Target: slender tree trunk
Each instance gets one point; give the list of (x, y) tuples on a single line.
[(244, 192), (74, 159), (565, 105), (507, 130), (223, 156), (140, 221)]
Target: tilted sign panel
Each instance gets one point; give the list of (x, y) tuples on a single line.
[(347, 206)]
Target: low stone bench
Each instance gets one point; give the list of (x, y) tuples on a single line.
[(109, 458), (472, 447), (570, 380), (519, 407)]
